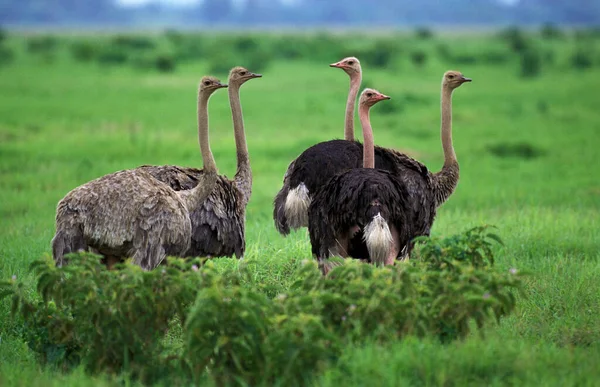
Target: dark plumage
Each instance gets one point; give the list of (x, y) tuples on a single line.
[(319, 163), (316, 165), (342, 208)]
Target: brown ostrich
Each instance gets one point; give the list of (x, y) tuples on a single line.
[(131, 214), (218, 225)]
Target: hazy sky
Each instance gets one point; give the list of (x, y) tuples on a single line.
[(190, 2)]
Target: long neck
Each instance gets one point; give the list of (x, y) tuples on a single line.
[(355, 80), (207, 156), (243, 175), (368, 143), (446, 130), (446, 180), (195, 197)]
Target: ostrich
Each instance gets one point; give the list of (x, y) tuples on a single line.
[(316, 165), (218, 225), (130, 214), (291, 202), (372, 201)]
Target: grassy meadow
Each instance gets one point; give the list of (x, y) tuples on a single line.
[(526, 133)]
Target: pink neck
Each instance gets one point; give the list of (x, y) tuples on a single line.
[(355, 80), (368, 143)]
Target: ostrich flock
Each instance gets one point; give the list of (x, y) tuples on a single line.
[(357, 200)]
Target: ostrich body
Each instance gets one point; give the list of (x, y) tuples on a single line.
[(218, 225), (131, 214), (319, 163), (365, 201)]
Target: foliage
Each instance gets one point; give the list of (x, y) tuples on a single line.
[(582, 59), (419, 58), (110, 321), (531, 63), (116, 321)]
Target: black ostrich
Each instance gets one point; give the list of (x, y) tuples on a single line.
[(319, 163), (369, 202)]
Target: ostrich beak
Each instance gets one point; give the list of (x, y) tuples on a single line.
[(466, 79), (221, 85), (383, 97), (254, 75), (336, 64)]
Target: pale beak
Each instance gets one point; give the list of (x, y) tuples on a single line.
[(466, 79), (254, 75), (336, 64)]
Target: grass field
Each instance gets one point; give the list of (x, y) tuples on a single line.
[(527, 148)]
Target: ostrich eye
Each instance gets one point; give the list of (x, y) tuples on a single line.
[(243, 73), (350, 62), (207, 83), (450, 76), (369, 95)]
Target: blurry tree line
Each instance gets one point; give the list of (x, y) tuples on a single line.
[(301, 12)]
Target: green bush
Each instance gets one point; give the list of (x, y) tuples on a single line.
[(84, 51), (42, 44), (582, 59), (550, 31), (112, 55), (131, 42), (419, 58), (7, 55), (515, 38), (233, 333), (423, 33), (531, 63), (110, 321)]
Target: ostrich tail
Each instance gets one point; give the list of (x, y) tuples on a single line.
[(378, 239), (296, 207), (281, 223), (58, 248)]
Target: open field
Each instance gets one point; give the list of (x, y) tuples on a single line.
[(527, 148)]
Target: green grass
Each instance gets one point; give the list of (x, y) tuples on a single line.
[(64, 123)]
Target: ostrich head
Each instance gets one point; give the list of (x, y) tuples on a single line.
[(370, 97), (238, 75), (210, 84), (350, 65), (454, 79)]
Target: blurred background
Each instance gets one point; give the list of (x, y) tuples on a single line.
[(295, 13)]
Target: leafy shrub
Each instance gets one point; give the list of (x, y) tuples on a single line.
[(582, 59), (380, 54), (84, 51), (419, 58), (111, 55), (234, 334), (522, 150), (42, 44), (112, 321), (423, 33), (515, 38), (131, 42), (531, 63), (165, 63), (550, 31), (7, 55)]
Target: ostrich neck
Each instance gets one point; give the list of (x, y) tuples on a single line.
[(195, 197), (368, 143), (446, 179), (446, 130), (208, 159), (243, 175), (355, 80)]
